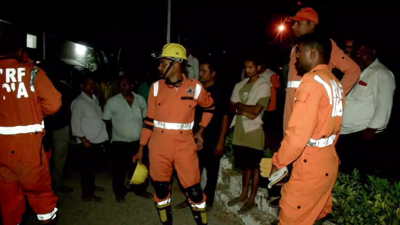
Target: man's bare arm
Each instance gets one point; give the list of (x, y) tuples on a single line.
[(250, 109)]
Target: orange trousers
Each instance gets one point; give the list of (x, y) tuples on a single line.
[(307, 196), (24, 170), (169, 149)]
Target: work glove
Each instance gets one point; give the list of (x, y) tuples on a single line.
[(266, 167)]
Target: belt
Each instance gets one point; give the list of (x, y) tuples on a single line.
[(173, 126), (323, 142)]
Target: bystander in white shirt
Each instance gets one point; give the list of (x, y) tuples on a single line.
[(127, 120), (369, 103), (86, 120), (193, 69)]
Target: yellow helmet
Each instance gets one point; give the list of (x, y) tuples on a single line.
[(140, 174), (173, 51)]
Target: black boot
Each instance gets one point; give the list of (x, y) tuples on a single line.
[(51, 222), (200, 216), (165, 213)]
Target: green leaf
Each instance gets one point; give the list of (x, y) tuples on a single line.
[(375, 201)]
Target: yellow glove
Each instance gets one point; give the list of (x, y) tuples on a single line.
[(140, 174), (266, 167)]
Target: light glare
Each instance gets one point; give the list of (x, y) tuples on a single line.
[(80, 49)]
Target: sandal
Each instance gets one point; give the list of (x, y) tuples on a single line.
[(246, 208), (236, 201)]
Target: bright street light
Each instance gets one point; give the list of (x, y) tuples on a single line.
[(281, 28), (80, 49)]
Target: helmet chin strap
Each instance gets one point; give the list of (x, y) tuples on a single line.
[(168, 81)]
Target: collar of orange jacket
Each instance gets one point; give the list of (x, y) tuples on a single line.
[(321, 67)]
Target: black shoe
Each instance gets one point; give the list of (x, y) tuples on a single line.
[(92, 198), (182, 205), (52, 222), (146, 194)]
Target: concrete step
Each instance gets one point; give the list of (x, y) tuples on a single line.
[(230, 186), (233, 181), (254, 217)]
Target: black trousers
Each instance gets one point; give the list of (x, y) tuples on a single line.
[(89, 157), (122, 154), (211, 162), (356, 152)]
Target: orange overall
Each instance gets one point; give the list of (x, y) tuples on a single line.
[(338, 59), (310, 145), (168, 125), (26, 96), (273, 79)]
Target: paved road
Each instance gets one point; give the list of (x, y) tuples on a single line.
[(136, 211)]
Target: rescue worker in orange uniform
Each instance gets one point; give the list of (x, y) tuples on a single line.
[(27, 95), (313, 130), (168, 126), (306, 21)]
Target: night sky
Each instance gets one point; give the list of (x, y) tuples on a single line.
[(139, 28)]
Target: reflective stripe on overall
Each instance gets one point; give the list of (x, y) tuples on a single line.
[(174, 126), (335, 99)]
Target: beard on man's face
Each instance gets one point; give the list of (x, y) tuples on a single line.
[(300, 69)]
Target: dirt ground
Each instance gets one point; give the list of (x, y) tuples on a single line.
[(136, 210)]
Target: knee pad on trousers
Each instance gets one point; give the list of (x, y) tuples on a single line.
[(162, 189), (195, 193)]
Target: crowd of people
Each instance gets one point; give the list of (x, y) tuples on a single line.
[(336, 110)]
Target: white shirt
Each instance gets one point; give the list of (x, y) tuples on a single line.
[(369, 103), (193, 71), (86, 120), (127, 120)]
